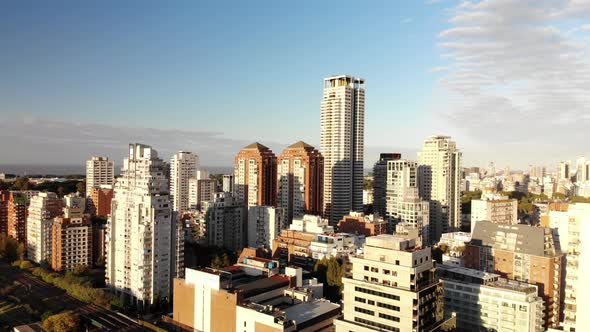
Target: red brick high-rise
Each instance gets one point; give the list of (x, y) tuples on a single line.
[(256, 175), (300, 180), (16, 208)]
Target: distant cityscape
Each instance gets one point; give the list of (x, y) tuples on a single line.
[(306, 240)]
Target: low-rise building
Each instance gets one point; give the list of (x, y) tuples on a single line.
[(453, 245), (494, 207), (484, 301), (361, 224)]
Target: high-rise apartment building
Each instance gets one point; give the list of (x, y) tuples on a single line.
[(342, 145), (16, 208), (4, 198), (43, 208), (255, 175), (392, 288), (403, 203), (521, 252), (380, 181), (582, 170), (264, 225), (99, 171), (300, 173), (71, 243), (199, 191), (224, 221), (494, 207), (486, 302), (571, 223), (227, 183), (183, 167), (565, 169), (440, 184), (101, 200), (140, 248)]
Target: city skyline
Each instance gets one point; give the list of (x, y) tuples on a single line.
[(154, 75)]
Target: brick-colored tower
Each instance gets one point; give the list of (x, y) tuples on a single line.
[(256, 175), (300, 180)]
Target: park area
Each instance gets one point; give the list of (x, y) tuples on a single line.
[(25, 298)]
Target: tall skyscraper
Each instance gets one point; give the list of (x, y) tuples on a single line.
[(379, 181), (440, 183), (43, 208), (300, 173), (228, 183), (403, 204), (256, 175), (17, 216), (342, 145), (392, 287), (140, 249), (565, 169), (99, 171), (183, 167)]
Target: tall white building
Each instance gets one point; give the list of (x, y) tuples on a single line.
[(264, 224), (572, 224), (582, 170), (440, 183), (497, 208), (99, 171), (403, 204), (183, 167), (392, 288), (342, 145), (565, 169), (42, 209), (228, 183), (141, 231)]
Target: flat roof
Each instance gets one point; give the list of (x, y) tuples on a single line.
[(262, 285), (306, 311)]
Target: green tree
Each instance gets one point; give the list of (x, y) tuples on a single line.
[(217, 263), (225, 260), (20, 251), (330, 271), (22, 183), (64, 322), (8, 248), (81, 187)]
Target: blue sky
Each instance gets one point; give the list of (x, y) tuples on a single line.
[(238, 70)]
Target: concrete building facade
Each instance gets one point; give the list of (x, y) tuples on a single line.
[(183, 167), (342, 145), (42, 209), (224, 221), (140, 248), (380, 181), (99, 171), (440, 184), (264, 225), (71, 241)]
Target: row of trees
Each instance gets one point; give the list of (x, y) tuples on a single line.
[(61, 188), (78, 287)]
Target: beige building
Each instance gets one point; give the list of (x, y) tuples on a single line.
[(495, 208), (342, 145), (99, 171), (392, 288), (440, 184), (250, 296)]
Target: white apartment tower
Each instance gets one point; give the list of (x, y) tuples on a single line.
[(342, 145), (141, 231), (440, 183), (99, 171), (42, 209), (403, 203), (392, 288), (565, 169), (224, 221), (183, 167), (264, 225)]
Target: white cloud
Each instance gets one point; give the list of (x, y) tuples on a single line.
[(407, 20), (516, 75)]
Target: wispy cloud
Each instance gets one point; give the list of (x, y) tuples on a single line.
[(407, 20), (33, 139), (516, 74)]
